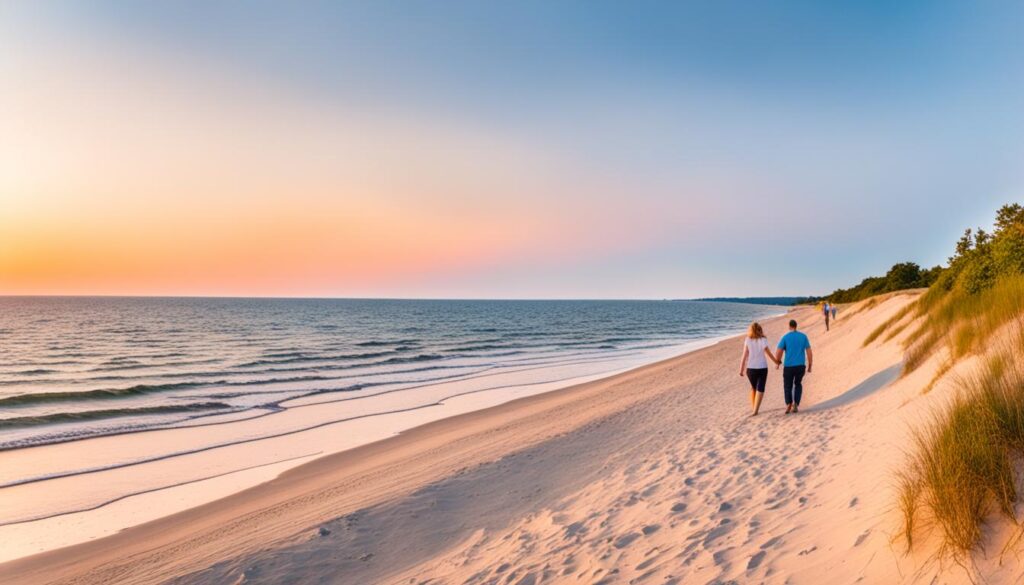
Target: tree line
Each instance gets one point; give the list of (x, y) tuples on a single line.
[(979, 260)]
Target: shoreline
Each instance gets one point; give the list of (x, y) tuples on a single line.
[(412, 438), (148, 504)]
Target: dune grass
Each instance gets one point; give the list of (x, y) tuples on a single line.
[(861, 306), (895, 331), (961, 322), (962, 468), (885, 325), (962, 465), (876, 333)]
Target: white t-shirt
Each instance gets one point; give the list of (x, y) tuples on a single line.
[(757, 360)]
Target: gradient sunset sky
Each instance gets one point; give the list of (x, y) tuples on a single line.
[(548, 149)]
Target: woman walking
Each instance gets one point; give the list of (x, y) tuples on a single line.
[(754, 363)]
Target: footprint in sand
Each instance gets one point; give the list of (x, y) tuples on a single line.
[(720, 557), (626, 540), (771, 542), (574, 529), (724, 527), (755, 561), (862, 537)]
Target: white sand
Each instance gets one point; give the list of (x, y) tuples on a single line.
[(656, 475)]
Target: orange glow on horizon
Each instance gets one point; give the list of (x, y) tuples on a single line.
[(133, 174), (268, 251)]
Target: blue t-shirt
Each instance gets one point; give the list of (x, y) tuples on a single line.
[(794, 344)]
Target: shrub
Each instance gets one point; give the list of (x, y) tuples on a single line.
[(981, 259)]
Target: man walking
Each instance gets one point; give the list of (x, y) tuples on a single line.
[(795, 346), (825, 310)]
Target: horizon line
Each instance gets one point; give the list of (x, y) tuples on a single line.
[(357, 298)]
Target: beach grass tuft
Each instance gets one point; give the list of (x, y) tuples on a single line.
[(962, 468), (909, 493)]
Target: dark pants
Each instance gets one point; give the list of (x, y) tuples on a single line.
[(758, 377), (793, 383)]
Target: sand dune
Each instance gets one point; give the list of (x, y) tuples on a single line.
[(657, 475)]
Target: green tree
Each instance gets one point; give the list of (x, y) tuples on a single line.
[(903, 276)]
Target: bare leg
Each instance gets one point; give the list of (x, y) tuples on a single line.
[(757, 401)]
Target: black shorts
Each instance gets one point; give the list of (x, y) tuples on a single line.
[(758, 378)]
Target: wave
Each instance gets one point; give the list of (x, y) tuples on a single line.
[(415, 358), (36, 363), (381, 343), (137, 390), (485, 347), (312, 358), (98, 394), (287, 354), (92, 415), (133, 364), (34, 372)]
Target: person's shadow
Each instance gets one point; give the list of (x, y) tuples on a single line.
[(862, 390)]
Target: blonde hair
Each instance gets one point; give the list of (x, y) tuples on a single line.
[(755, 331)]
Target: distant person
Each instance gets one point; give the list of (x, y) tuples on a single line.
[(834, 311), (798, 361), (754, 363), (825, 311)]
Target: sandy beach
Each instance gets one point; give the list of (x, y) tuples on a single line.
[(656, 475)]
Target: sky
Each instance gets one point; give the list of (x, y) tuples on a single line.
[(498, 149)]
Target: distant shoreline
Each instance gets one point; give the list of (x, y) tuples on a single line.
[(775, 301)]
